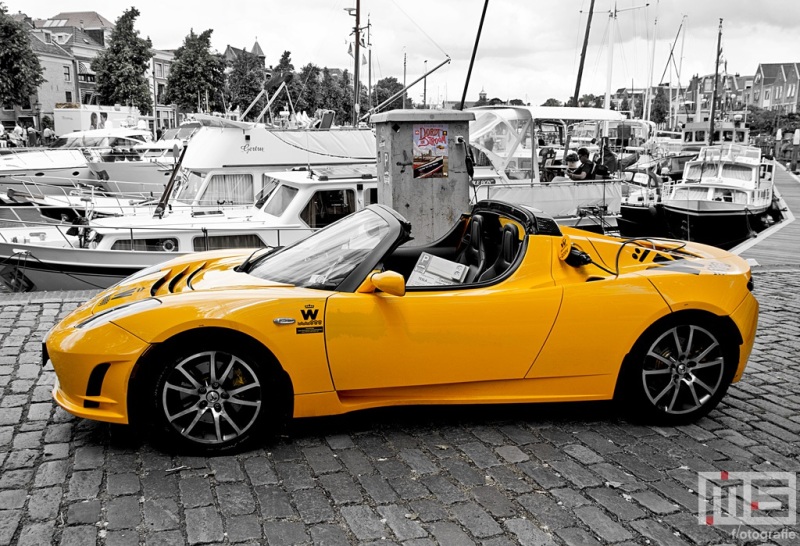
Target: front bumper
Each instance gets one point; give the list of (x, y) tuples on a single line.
[(78, 355)]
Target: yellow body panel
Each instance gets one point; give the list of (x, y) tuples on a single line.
[(442, 336)]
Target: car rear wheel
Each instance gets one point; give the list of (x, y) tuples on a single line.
[(211, 399), (678, 372)]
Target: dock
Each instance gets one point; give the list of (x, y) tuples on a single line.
[(778, 245)]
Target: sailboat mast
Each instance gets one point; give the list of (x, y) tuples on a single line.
[(356, 75), (647, 105), (583, 54), (714, 92)]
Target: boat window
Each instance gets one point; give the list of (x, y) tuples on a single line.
[(269, 185), (168, 244), (697, 170), (229, 189), (280, 199), (738, 172), (327, 206), (370, 196), (700, 136), (188, 185), (216, 242)]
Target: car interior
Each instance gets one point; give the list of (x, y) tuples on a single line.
[(488, 245)]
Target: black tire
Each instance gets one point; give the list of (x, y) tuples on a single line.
[(678, 371), (212, 399)]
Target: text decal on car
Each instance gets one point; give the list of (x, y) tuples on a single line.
[(312, 321)]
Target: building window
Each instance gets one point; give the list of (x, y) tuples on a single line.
[(778, 92), (67, 73), (766, 94), (69, 96), (160, 97), (790, 90), (756, 96), (159, 70)]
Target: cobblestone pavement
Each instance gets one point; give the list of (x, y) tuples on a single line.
[(533, 475)]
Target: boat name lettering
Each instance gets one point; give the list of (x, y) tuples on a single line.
[(247, 148)]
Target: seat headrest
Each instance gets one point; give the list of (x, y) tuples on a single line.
[(510, 242), (476, 229)]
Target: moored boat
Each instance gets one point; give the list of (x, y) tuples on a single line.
[(98, 253), (724, 197)]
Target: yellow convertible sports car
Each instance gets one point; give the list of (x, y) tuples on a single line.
[(214, 349)]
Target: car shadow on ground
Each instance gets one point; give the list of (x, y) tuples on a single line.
[(425, 418), (414, 420)]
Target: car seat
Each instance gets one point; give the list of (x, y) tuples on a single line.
[(508, 252), (473, 255)]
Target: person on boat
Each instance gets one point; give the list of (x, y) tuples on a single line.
[(585, 170)]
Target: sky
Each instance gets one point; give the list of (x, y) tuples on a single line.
[(528, 50)]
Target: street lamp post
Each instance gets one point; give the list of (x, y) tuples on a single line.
[(37, 111)]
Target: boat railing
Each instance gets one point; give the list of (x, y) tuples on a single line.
[(73, 234)]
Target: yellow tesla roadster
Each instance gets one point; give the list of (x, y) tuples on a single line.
[(212, 350)]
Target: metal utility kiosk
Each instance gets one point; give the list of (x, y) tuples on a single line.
[(422, 169)]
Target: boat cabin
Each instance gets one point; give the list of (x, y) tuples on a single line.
[(695, 135)]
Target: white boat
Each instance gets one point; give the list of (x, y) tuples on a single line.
[(62, 166), (144, 167), (519, 151), (224, 167), (103, 251), (724, 197)]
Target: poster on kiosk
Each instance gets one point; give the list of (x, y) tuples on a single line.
[(430, 150)]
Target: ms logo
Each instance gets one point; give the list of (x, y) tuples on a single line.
[(309, 314)]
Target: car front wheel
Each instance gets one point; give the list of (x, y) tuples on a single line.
[(678, 372), (211, 399)]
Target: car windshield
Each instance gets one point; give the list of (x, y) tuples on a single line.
[(324, 260)]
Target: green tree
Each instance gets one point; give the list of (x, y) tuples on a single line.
[(293, 86), (196, 73), (625, 105), (660, 107), (122, 67), (387, 87), (333, 97), (308, 98), (637, 109), (20, 71), (589, 101), (552, 102), (245, 82)]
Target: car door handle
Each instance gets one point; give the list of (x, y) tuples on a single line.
[(282, 320)]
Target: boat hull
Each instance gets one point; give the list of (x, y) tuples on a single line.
[(719, 224), (642, 221)]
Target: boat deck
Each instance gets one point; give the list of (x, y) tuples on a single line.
[(780, 244)]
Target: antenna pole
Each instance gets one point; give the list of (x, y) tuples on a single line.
[(474, 51)]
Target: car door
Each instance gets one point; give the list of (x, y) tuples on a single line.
[(452, 335)]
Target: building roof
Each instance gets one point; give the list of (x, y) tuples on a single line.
[(43, 48), (78, 19), (77, 37), (257, 50)]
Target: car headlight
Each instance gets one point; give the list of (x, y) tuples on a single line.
[(120, 311)]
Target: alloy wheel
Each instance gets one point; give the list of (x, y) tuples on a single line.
[(212, 397), (683, 369)]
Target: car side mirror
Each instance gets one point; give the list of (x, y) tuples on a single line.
[(390, 282)]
